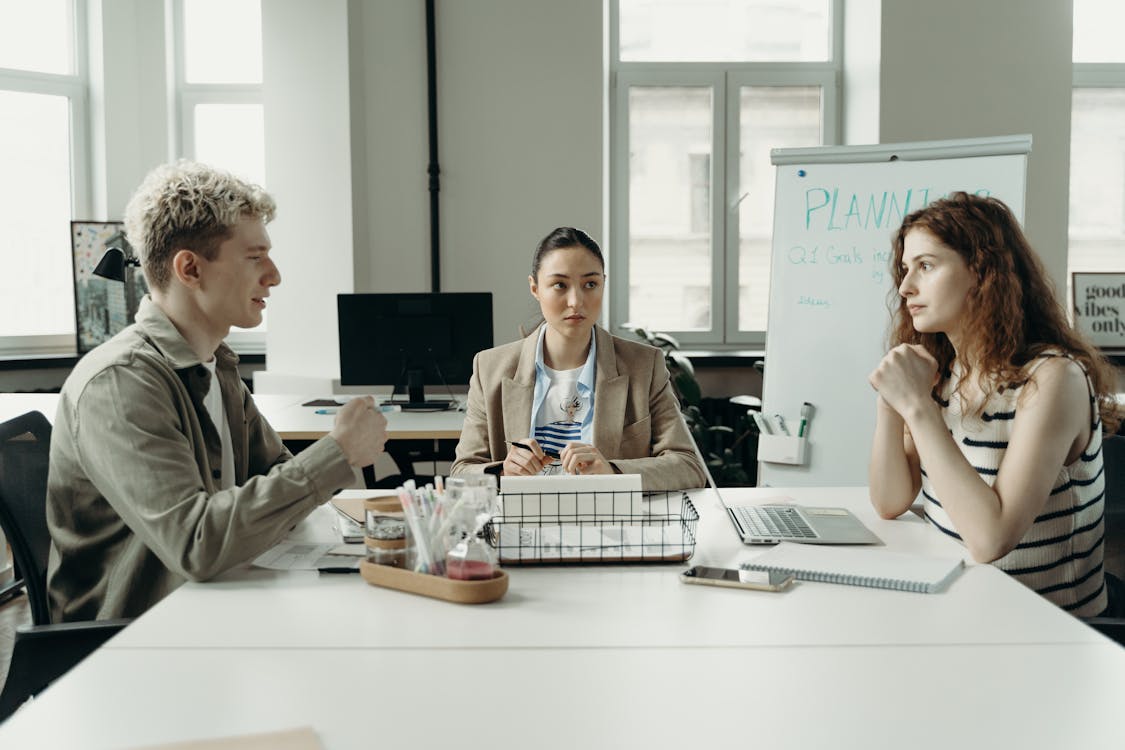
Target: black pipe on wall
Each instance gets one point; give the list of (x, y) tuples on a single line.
[(434, 168)]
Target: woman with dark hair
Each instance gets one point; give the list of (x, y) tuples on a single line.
[(571, 393), (991, 405)]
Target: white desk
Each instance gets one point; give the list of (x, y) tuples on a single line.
[(295, 422), (284, 412), (599, 656)]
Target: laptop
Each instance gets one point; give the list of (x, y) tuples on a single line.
[(770, 523)]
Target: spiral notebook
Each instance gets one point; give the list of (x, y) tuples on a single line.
[(874, 568)]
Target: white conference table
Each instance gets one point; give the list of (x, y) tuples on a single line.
[(614, 605), (798, 698), (285, 413), (599, 656)]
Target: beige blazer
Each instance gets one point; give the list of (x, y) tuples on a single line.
[(638, 426)]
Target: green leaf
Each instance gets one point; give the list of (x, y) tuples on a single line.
[(639, 330), (664, 338), (680, 361), (688, 388)]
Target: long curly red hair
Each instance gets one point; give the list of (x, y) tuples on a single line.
[(1012, 313)]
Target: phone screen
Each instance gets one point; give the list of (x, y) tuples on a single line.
[(714, 574), (769, 578)]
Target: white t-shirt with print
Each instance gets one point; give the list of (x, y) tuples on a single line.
[(560, 416)]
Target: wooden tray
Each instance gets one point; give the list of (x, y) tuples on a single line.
[(435, 587)]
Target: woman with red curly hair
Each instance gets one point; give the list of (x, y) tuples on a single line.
[(991, 405)]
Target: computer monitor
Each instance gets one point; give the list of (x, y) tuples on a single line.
[(412, 340)]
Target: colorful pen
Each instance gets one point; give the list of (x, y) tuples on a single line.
[(385, 408)]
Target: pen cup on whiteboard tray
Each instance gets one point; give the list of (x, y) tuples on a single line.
[(783, 449)]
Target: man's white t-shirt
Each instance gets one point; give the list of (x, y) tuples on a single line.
[(214, 403)]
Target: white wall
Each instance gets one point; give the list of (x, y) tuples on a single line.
[(390, 147), (966, 68), (521, 106), (128, 100), (307, 105), (862, 51)]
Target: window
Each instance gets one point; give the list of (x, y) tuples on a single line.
[(702, 92), (42, 182), (219, 80), (219, 98), (1097, 139)]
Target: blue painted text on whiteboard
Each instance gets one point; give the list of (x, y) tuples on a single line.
[(885, 210), (813, 301), (813, 255)]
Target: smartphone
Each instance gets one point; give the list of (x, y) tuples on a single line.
[(759, 580)]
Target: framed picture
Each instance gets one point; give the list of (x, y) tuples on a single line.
[(102, 307), (1099, 307)]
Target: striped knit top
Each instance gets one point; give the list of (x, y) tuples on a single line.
[(1060, 556)]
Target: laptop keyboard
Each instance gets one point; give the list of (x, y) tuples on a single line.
[(770, 521)]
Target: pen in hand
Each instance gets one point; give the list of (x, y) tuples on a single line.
[(546, 451), (384, 408)]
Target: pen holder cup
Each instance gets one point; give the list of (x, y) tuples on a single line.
[(782, 449), (385, 532)]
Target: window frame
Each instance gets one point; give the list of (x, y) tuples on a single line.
[(1096, 76), (726, 81), (75, 87), (186, 98)]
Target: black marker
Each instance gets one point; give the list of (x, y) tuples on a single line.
[(546, 451)]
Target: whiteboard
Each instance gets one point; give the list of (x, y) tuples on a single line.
[(836, 209)]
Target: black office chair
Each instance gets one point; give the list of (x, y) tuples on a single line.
[(24, 446), (41, 652), (1112, 625)]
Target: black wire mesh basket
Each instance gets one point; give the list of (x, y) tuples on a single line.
[(594, 527)]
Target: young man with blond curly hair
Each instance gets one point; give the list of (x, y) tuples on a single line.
[(162, 469)]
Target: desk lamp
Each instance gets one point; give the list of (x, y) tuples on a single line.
[(119, 264)]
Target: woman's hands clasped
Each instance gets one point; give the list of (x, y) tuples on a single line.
[(526, 458), (581, 458), (905, 377)]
